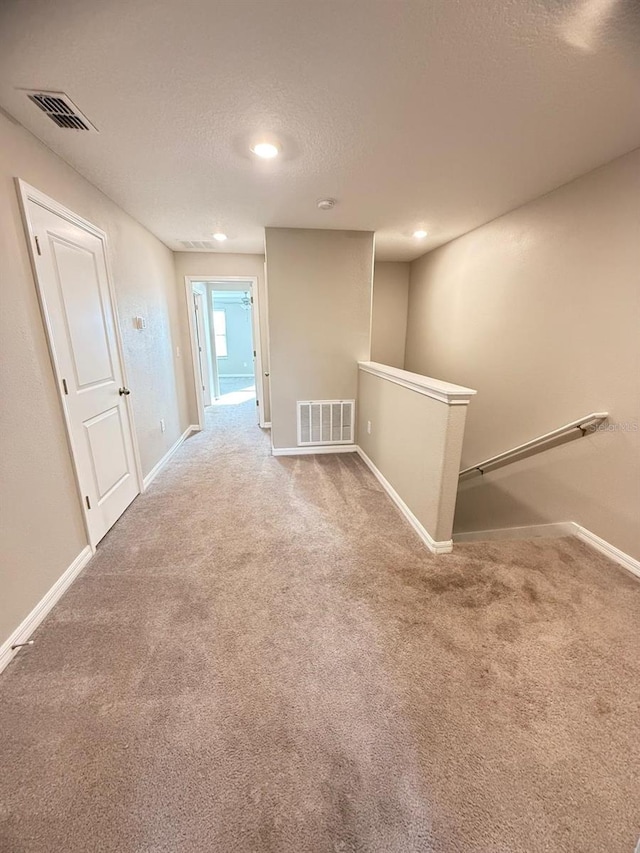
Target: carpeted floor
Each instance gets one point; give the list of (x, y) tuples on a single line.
[(262, 658), (230, 386)]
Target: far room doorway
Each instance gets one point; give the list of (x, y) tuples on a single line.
[(225, 339), (233, 375)]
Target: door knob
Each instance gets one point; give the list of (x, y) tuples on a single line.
[(124, 392)]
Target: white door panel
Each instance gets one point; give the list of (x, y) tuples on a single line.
[(108, 451), (86, 317), (74, 291), (201, 336)]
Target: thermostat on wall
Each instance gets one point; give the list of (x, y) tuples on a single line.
[(139, 323)]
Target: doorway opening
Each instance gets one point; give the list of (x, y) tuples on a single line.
[(225, 338), (234, 374)]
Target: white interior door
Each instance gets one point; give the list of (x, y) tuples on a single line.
[(201, 343), (73, 284)]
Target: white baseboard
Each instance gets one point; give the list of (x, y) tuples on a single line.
[(530, 531), (44, 606), (554, 531), (442, 547), (625, 560), (314, 450), (153, 473)]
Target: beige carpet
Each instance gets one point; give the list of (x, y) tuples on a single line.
[(262, 658)]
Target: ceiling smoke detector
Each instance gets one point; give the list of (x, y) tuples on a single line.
[(326, 203), (61, 110)]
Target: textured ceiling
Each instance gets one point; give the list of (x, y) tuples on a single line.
[(412, 113)]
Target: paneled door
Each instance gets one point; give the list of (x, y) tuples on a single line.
[(201, 342), (72, 277)]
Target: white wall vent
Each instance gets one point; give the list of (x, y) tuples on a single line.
[(326, 421), (199, 244), (61, 110)]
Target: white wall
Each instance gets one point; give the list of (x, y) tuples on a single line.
[(41, 522), (539, 310), (415, 442), (389, 314), (319, 314)]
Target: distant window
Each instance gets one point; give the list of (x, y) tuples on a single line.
[(220, 332)]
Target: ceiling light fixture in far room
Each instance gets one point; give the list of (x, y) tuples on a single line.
[(326, 203), (420, 234), (219, 236), (265, 150)]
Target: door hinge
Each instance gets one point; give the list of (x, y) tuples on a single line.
[(257, 402), (38, 246), (86, 497), (64, 386), (254, 353), (252, 300)]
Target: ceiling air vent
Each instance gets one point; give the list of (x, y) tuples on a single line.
[(61, 110), (199, 244)]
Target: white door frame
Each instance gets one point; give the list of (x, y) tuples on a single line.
[(26, 194), (251, 283)]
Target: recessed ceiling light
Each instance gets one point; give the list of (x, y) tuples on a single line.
[(266, 150), (420, 234), (220, 237)]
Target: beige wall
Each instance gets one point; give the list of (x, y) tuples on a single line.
[(41, 521), (415, 442), (220, 264), (389, 313), (540, 312), (319, 317)]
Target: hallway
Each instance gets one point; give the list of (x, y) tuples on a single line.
[(262, 657)]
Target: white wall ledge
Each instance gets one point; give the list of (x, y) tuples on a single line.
[(445, 392)]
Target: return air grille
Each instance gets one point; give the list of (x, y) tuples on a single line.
[(61, 110), (199, 244), (326, 422)]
